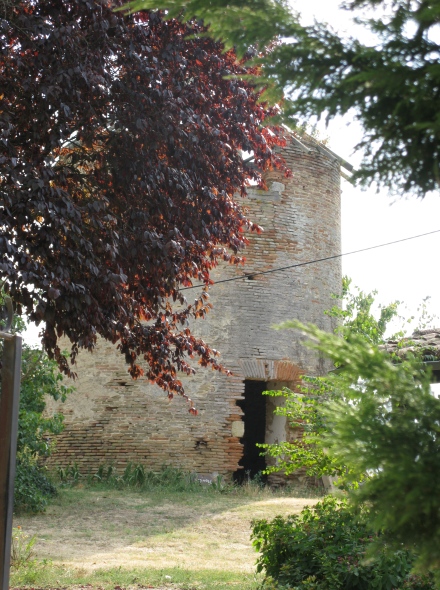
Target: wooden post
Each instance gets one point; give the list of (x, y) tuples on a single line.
[(9, 402)]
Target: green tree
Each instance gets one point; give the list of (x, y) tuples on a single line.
[(238, 24), (304, 408), (384, 425), (357, 315), (391, 86), (40, 378)]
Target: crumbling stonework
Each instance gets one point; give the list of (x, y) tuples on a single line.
[(423, 343), (112, 419)]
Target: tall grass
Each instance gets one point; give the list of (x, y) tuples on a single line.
[(134, 476), (170, 479)]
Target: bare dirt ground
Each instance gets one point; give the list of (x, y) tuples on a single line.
[(92, 529)]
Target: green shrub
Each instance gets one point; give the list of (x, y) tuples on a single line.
[(33, 488), (40, 378), (325, 548)]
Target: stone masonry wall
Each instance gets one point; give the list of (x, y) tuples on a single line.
[(114, 420)]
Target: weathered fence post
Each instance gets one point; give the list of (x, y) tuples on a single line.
[(9, 401)]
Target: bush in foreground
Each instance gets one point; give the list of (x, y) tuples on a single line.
[(326, 548)]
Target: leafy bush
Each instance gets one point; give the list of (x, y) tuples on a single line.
[(303, 408), (40, 378), (326, 548), (303, 411), (33, 488)]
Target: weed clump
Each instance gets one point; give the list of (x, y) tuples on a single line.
[(134, 476), (172, 480), (22, 547)]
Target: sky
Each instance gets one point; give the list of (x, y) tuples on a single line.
[(408, 271)]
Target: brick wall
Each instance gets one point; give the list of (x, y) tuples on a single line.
[(112, 419)]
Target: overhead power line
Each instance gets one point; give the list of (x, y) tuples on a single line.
[(316, 260)]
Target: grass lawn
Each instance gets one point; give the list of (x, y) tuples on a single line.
[(187, 540)]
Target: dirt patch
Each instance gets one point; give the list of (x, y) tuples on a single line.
[(90, 529)]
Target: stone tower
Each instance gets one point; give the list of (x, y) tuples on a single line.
[(111, 419)]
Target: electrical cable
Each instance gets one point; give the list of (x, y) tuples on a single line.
[(282, 268)]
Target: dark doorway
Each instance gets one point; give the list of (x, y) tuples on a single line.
[(254, 408)]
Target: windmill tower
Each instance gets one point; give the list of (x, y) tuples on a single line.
[(112, 419)]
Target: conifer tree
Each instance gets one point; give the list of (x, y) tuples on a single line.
[(391, 85)]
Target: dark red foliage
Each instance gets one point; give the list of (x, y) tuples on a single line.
[(120, 145)]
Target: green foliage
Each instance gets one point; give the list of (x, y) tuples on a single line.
[(22, 548), (324, 548), (385, 424), (425, 318), (44, 574), (135, 475), (304, 408), (33, 488), (71, 475), (356, 315), (40, 378), (168, 480), (390, 85), (374, 422), (238, 24)]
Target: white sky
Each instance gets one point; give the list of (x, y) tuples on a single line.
[(408, 271)]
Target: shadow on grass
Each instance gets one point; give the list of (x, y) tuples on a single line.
[(126, 512), (92, 524)]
